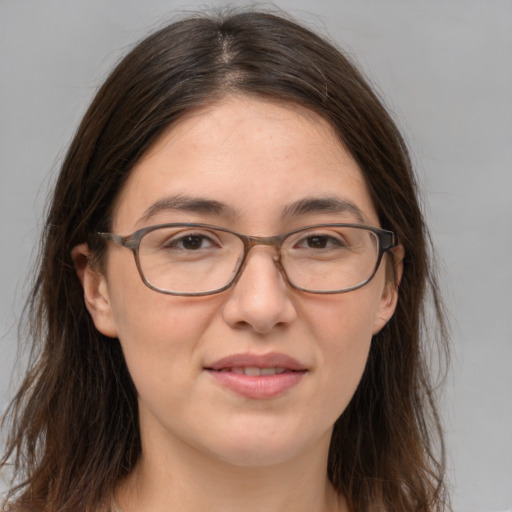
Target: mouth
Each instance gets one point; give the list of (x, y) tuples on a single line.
[(253, 371), (257, 376)]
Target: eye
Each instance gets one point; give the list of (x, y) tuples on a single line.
[(190, 242), (320, 241)]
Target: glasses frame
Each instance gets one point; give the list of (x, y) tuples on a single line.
[(387, 240)]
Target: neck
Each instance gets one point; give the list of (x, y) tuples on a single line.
[(191, 481)]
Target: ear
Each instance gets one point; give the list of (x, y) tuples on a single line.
[(96, 297), (389, 298)]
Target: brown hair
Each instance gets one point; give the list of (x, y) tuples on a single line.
[(74, 427)]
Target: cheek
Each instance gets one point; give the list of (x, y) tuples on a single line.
[(160, 327), (160, 339), (145, 318), (343, 322), (158, 333), (342, 326)]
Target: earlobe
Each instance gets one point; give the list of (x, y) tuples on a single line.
[(386, 307), (95, 287), (389, 298)]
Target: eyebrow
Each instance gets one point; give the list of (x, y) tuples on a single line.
[(311, 205), (305, 206), (187, 204)]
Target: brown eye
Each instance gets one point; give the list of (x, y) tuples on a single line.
[(192, 242), (317, 242), (189, 242)]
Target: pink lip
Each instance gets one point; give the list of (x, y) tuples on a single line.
[(262, 386)]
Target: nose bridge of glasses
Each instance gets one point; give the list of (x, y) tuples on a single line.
[(250, 242), (271, 241)]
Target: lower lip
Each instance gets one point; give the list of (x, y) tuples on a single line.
[(263, 386)]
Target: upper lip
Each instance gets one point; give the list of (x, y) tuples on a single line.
[(271, 360)]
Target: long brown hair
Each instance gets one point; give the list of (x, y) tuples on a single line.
[(74, 422)]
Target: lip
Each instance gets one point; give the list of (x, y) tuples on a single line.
[(262, 386)]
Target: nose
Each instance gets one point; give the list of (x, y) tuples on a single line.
[(260, 299)]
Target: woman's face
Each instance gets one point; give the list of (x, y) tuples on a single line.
[(254, 161)]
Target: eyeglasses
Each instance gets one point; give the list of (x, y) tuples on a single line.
[(198, 259)]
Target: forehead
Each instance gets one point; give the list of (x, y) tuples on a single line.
[(256, 157)]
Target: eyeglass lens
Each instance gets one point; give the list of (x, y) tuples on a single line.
[(201, 260)]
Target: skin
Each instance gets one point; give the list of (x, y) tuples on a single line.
[(206, 447)]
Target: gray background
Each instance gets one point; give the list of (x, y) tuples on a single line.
[(445, 70)]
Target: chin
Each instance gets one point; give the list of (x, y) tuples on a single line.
[(259, 446), (253, 455)]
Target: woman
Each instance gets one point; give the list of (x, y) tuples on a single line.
[(261, 348)]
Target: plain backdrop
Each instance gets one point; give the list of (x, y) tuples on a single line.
[(444, 68)]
